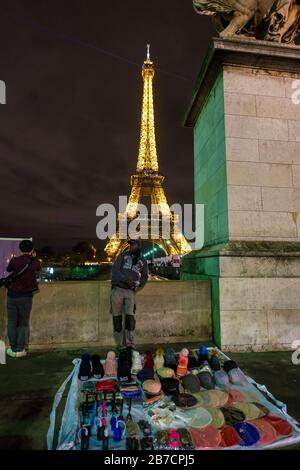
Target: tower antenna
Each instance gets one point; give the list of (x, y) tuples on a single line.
[(148, 52)]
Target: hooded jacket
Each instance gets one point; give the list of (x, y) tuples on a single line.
[(129, 266)]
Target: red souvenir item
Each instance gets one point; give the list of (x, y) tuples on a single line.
[(281, 425), (267, 432), (106, 385), (148, 360), (235, 396), (183, 361), (206, 438), (230, 437)]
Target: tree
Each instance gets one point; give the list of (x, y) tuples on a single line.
[(84, 251), (46, 254)]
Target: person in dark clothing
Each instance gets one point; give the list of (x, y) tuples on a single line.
[(129, 275), (19, 297)]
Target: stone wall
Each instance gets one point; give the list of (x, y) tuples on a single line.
[(255, 298), (77, 314), (264, 312), (262, 127), (210, 165)]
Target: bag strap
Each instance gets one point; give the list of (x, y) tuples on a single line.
[(22, 271)]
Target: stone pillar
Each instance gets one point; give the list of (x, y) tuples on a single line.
[(247, 174)]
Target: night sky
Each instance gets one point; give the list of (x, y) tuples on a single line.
[(70, 129)]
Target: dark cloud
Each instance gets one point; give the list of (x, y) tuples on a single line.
[(69, 131)]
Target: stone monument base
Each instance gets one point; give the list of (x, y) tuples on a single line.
[(255, 293), (245, 114)]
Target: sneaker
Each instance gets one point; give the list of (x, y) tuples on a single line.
[(21, 353), (10, 352)]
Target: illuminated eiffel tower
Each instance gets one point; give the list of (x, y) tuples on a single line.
[(148, 182)]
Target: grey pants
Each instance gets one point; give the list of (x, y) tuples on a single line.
[(123, 305), (18, 314)]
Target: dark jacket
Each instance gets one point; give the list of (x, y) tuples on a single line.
[(26, 283), (129, 266)]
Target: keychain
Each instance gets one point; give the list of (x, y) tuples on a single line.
[(105, 440), (118, 431), (85, 439), (113, 422), (129, 410), (101, 429), (121, 417), (104, 413), (100, 432)]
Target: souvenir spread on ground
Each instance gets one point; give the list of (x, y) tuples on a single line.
[(194, 399)]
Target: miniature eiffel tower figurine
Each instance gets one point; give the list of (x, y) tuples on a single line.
[(148, 182)]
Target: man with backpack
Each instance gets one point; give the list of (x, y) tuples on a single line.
[(21, 285), (129, 275)]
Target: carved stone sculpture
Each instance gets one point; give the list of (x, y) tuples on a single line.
[(270, 20)]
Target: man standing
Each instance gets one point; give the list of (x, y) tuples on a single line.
[(23, 271), (129, 275)]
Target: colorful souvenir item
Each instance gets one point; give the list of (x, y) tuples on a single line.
[(230, 437), (191, 383), (85, 369), (218, 397), (124, 368), (248, 433), (235, 396), (264, 411), (202, 354), (198, 417), (232, 415), (152, 387), (250, 411), (281, 425), (184, 400), (186, 442), (199, 397), (165, 372), (206, 438), (206, 380), (170, 386), (136, 363), (267, 432), (148, 360), (182, 363), (193, 361), (218, 419), (170, 359), (159, 359), (110, 365), (174, 439), (222, 379)]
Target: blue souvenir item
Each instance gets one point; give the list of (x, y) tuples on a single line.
[(248, 433)]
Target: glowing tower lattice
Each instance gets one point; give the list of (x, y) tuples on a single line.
[(147, 181)]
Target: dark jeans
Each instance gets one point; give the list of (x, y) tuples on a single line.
[(18, 313)]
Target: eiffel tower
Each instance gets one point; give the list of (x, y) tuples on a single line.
[(148, 182)]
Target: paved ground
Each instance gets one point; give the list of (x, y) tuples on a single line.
[(28, 385)]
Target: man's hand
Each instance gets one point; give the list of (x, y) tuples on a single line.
[(33, 253), (130, 282)]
